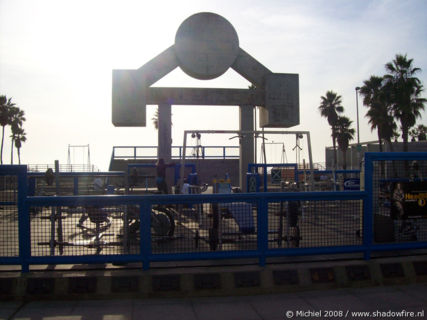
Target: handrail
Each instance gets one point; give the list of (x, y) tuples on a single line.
[(204, 154), (185, 198)]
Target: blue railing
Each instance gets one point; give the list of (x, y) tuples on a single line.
[(145, 203), (276, 174), (14, 190)]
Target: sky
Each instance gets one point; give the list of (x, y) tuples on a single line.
[(57, 57)]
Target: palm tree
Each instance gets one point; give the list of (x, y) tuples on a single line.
[(17, 118), (405, 90), (5, 119), (379, 113), (155, 119), (344, 134), (19, 137), (330, 107), (419, 132)]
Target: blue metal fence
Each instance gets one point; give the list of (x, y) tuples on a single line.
[(14, 227), (261, 203), (323, 180), (380, 166), (205, 226)]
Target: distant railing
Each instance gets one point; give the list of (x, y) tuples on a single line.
[(150, 152), (73, 183), (63, 167)]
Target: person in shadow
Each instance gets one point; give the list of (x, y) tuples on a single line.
[(161, 175)]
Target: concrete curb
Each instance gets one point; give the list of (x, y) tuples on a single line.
[(212, 281)]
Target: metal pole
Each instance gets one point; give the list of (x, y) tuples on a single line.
[(182, 169), (357, 111), (255, 136), (357, 123), (310, 159), (263, 147)]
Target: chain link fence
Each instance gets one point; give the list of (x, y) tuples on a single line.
[(399, 201), (9, 233)]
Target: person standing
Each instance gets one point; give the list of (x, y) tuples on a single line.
[(161, 175)]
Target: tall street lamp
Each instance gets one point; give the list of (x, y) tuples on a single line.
[(357, 123), (357, 111)]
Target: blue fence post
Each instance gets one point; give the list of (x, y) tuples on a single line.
[(76, 185), (368, 207), (23, 220), (176, 173), (262, 221), (32, 186), (264, 168), (145, 232)]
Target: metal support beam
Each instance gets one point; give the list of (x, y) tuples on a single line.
[(250, 69), (165, 132), (158, 67), (204, 96), (246, 150)]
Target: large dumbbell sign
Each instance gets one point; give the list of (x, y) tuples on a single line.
[(206, 46)]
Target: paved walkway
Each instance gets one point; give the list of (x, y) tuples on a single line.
[(396, 302)]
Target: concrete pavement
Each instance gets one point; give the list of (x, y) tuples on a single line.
[(390, 302)]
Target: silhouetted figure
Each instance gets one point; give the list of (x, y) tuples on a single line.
[(49, 177), (161, 175)]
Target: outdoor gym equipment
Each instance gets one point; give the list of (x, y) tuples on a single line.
[(162, 221), (276, 173), (135, 175), (97, 228), (95, 222), (283, 156), (240, 212), (243, 133)]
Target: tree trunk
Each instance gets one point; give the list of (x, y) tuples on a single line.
[(405, 139), (393, 164), (11, 152), (335, 151), (380, 145), (405, 130), (2, 142), (344, 160), (19, 155)]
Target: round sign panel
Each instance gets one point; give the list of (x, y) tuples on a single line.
[(206, 45)]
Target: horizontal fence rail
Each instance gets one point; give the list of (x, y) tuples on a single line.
[(202, 152)]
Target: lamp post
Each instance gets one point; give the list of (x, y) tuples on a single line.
[(357, 111), (357, 123)]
